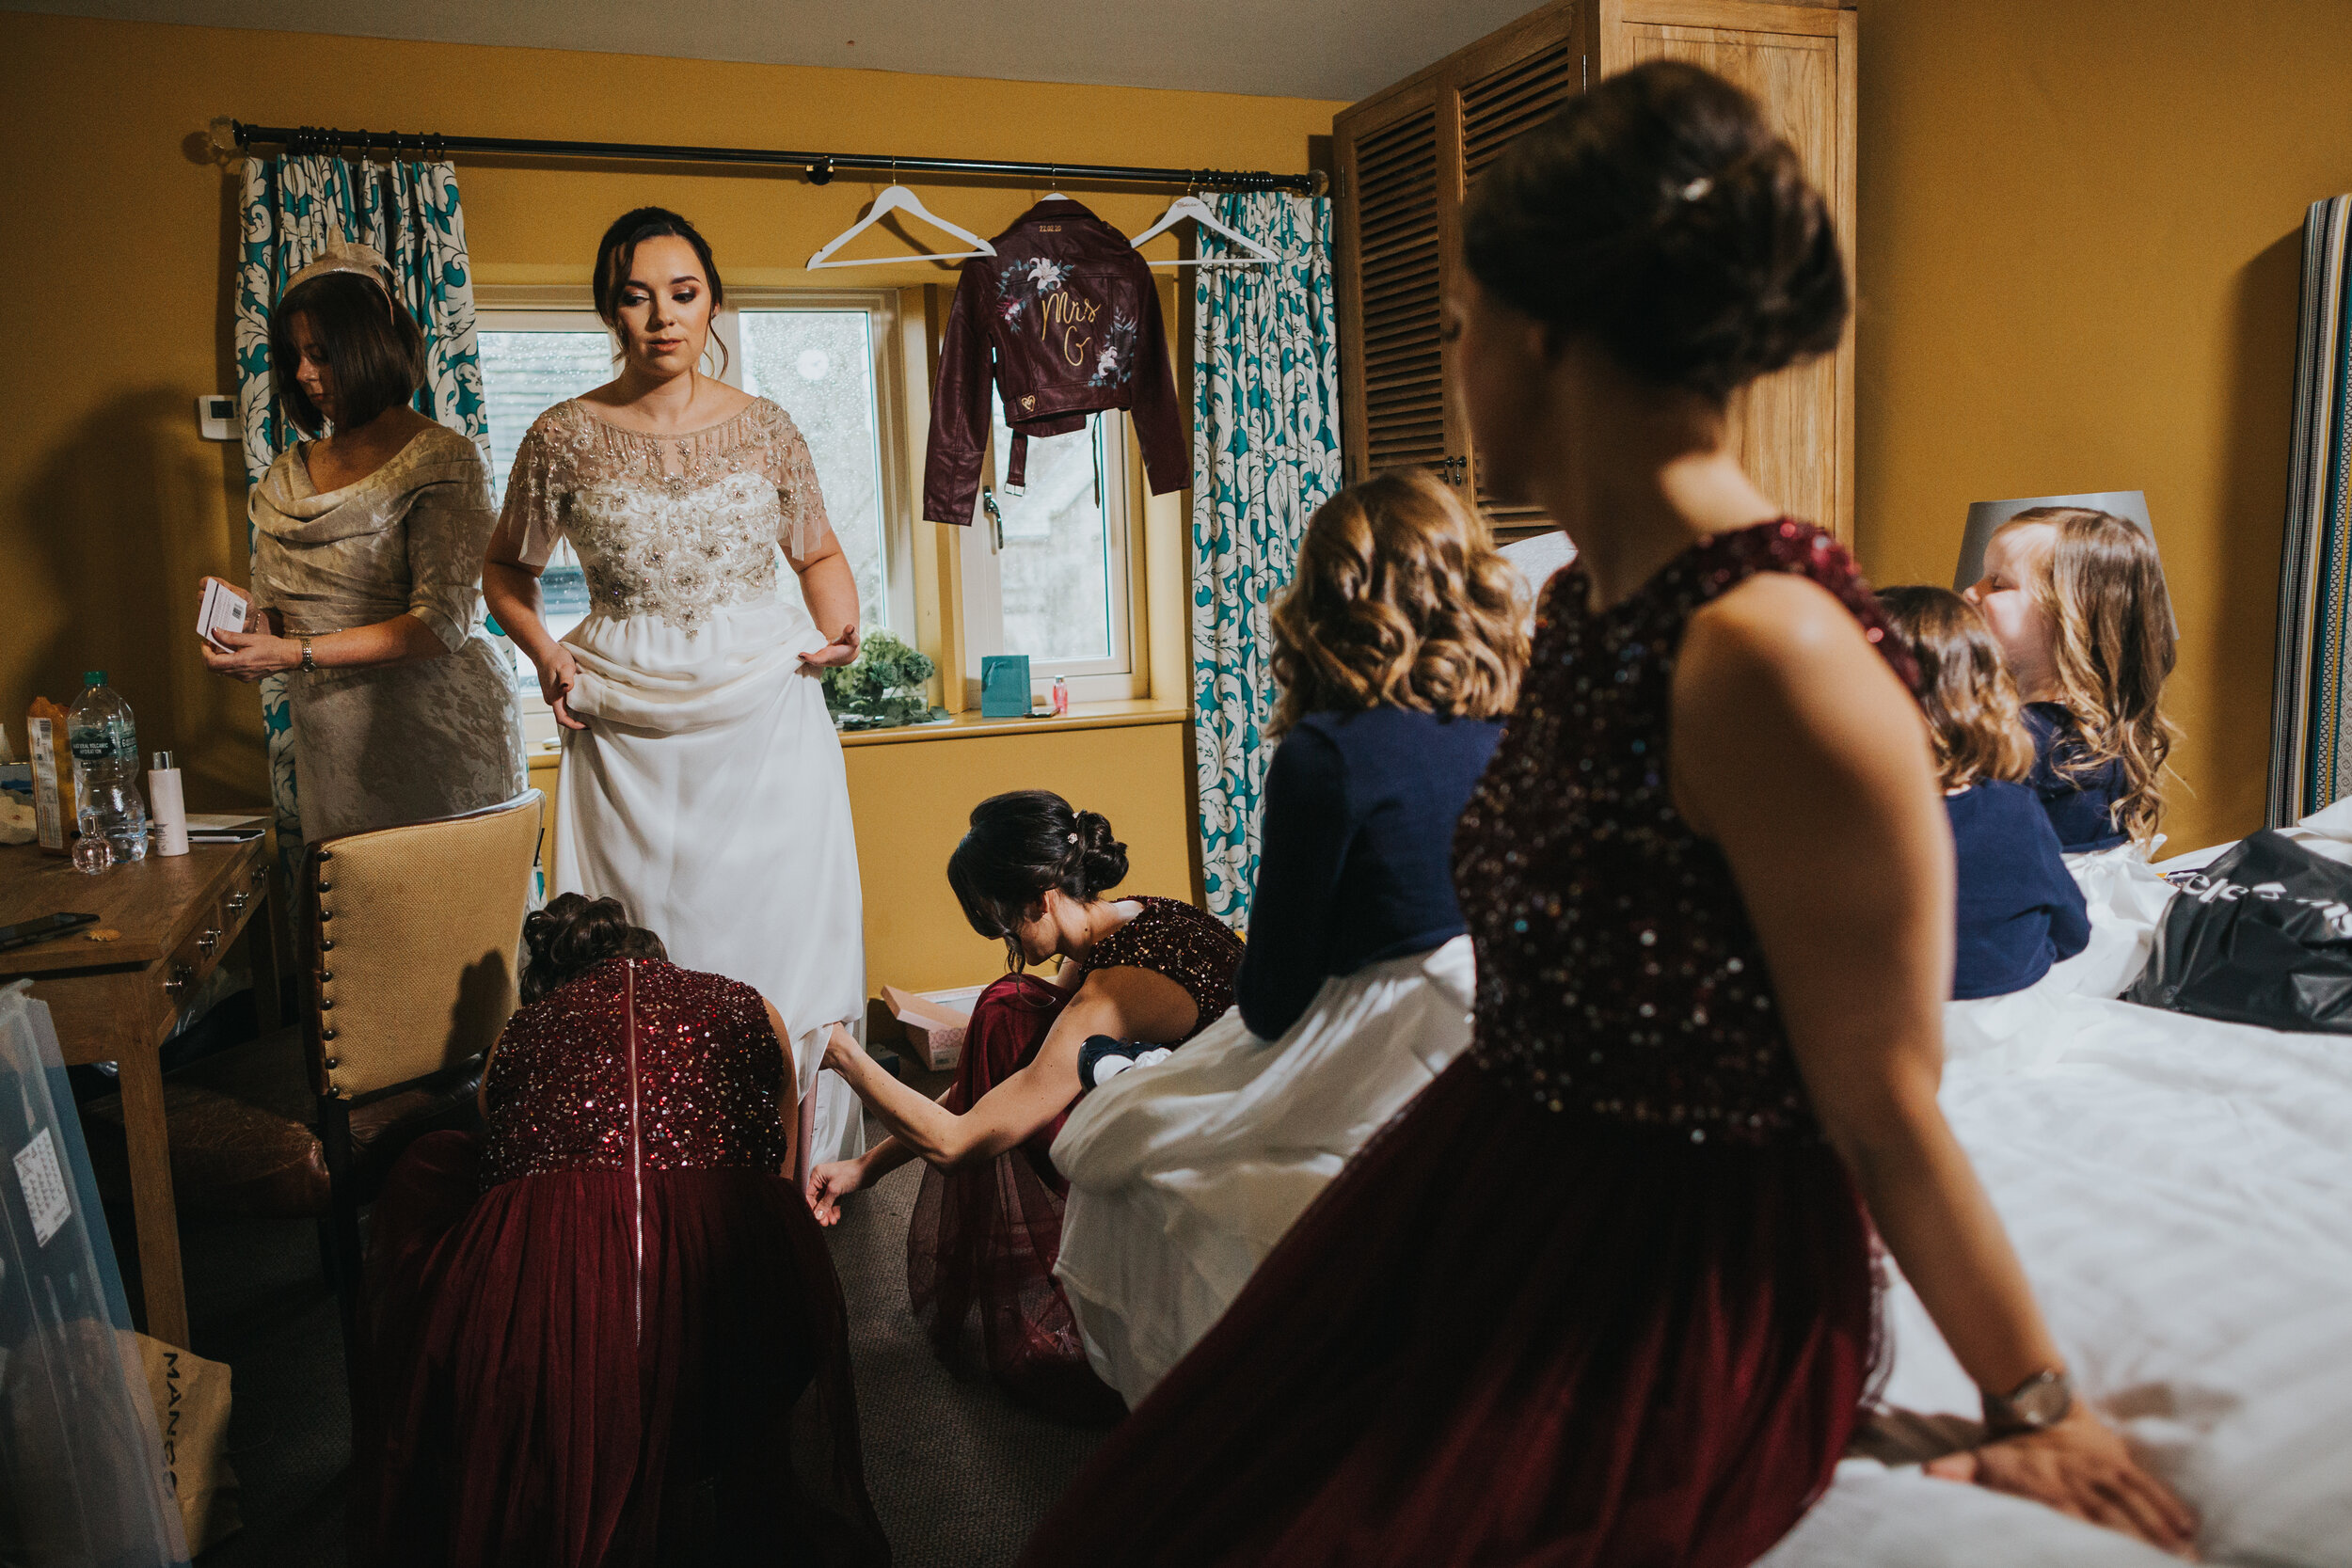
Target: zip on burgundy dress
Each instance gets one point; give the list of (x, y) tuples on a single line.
[(636, 1146)]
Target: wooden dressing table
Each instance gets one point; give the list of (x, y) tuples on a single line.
[(118, 1000)]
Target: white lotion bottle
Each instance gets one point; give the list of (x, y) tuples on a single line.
[(170, 808)]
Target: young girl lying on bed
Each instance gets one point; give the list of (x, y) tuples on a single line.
[(2077, 600), (2020, 910), (1398, 648)]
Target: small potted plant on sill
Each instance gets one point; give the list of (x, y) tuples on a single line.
[(882, 689)]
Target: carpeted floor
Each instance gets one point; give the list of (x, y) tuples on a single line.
[(958, 1473)]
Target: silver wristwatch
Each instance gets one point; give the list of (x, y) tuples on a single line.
[(310, 664), (2036, 1404)]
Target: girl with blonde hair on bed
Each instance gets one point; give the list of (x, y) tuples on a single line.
[(1399, 645), (2076, 599)]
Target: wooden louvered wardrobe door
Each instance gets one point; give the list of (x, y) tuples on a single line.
[(1794, 431), (1513, 82), (1389, 282)]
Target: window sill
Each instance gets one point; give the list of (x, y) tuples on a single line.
[(1082, 716)]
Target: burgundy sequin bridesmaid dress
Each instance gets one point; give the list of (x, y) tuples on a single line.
[(1601, 1295), (985, 1238), (610, 1333)]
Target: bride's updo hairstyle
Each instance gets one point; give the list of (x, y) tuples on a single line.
[(1022, 845), (617, 252), (1660, 214), (573, 935)]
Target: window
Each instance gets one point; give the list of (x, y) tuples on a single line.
[(825, 356), (1046, 569), (531, 361), (823, 367)]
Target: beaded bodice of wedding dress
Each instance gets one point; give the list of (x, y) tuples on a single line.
[(674, 527)]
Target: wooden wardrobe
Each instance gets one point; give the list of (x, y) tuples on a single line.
[(1407, 158)]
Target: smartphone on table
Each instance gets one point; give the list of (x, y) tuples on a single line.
[(41, 928)]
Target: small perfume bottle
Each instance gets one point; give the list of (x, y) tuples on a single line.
[(1061, 696)]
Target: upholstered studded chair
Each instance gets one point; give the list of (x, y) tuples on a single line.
[(409, 939)]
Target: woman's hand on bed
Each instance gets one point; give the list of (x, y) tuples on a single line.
[(829, 1183), (2080, 1467)]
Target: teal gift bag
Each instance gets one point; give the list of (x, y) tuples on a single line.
[(1005, 686)]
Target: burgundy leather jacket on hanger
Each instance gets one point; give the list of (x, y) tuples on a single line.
[(1073, 318)]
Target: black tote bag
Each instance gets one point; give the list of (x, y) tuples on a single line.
[(2262, 934)]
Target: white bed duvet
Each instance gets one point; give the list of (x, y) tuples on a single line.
[(2180, 1192)]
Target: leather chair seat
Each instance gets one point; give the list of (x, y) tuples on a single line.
[(242, 1141), (382, 1128)]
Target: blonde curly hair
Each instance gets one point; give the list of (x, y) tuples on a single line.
[(2112, 646), (1400, 600)]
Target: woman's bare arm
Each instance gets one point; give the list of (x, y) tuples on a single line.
[(790, 1094), (830, 590), (511, 588), (1122, 1001), (1799, 752), (402, 640)]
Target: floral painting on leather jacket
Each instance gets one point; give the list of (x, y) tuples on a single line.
[(1065, 321)]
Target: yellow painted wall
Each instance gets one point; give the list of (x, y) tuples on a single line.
[(914, 799), (111, 508), (118, 302), (2078, 263)]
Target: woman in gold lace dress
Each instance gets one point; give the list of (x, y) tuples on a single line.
[(367, 566), (703, 784)]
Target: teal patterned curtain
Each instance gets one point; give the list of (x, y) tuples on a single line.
[(292, 206), (1266, 453)]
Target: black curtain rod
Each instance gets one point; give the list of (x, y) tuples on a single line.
[(820, 166)]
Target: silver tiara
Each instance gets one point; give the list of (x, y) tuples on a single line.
[(347, 256)]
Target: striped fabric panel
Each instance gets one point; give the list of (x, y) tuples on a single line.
[(2311, 763)]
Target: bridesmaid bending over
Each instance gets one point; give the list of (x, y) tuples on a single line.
[(608, 1332), (988, 1225)]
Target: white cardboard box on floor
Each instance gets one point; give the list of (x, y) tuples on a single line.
[(935, 1020)]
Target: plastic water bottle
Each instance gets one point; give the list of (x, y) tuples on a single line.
[(105, 742)]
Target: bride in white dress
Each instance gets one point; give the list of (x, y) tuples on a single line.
[(703, 784)]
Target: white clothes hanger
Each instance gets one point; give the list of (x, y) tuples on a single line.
[(1192, 207), (897, 198)]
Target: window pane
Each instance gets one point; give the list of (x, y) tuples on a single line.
[(526, 374), (1055, 562), (523, 375), (819, 366)]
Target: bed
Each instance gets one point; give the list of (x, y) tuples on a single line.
[(2180, 1192)]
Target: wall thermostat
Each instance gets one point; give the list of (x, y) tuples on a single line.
[(217, 417)]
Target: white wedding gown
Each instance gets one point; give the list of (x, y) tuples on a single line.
[(1184, 1175), (708, 792)]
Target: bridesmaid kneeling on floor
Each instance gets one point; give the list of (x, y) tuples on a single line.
[(608, 1332), (988, 1225)]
